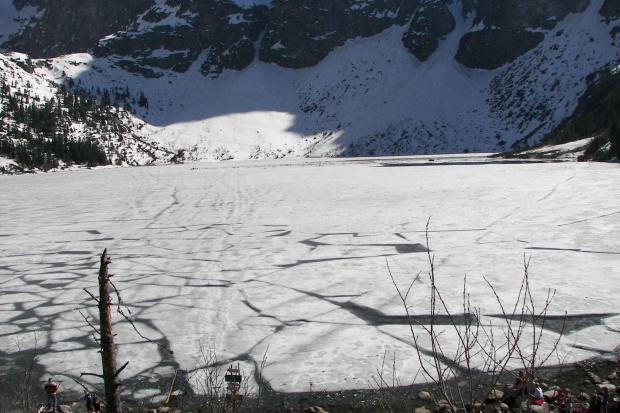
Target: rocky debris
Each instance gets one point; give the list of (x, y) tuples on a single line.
[(611, 358), (443, 406), (419, 398)]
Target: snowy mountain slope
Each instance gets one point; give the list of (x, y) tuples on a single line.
[(370, 96), (42, 121), (533, 96)]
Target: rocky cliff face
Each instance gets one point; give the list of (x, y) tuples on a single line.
[(71, 26), (147, 37), (510, 28), (172, 37), (301, 33), (431, 22)]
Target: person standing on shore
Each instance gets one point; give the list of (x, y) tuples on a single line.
[(569, 401), (89, 401), (51, 388), (97, 405), (605, 399)]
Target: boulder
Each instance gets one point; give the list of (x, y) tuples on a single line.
[(550, 395), (444, 407), (426, 396), (608, 386), (595, 379), (543, 408), (495, 395)]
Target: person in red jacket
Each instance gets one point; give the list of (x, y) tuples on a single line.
[(51, 388)]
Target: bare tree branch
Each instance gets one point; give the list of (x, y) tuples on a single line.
[(92, 374), (89, 323)]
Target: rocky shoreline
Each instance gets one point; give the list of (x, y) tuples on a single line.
[(584, 379)]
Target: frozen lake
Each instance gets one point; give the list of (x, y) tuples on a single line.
[(291, 256)]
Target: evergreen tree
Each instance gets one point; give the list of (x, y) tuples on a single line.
[(614, 139), (143, 101)]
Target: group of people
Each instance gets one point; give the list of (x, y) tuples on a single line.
[(93, 404), (599, 403), (526, 385)]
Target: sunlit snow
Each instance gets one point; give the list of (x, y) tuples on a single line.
[(290, 259)]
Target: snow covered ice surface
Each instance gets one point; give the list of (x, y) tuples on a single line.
[(290, 258)]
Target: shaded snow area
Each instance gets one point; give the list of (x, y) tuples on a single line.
[(369, 97), (11, 19), (290, 258)]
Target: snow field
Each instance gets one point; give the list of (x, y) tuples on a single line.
[(291, 259)]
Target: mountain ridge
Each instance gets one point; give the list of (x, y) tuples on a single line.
[(401, 91)]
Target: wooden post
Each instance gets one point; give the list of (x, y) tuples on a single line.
[(108, 352)]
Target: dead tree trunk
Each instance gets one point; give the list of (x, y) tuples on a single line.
[(108, 352), (104, 336)]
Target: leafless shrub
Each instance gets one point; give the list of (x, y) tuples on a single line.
[(393, 395), (465, 358), (208, 378), (21, 379), (260, 380)]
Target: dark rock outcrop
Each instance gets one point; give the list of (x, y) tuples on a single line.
[(520, 14), (72, 26), (172, 38), (146, 38), (507, 28), (610, 10), (429, 25), (301, 33), (492, 48)]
